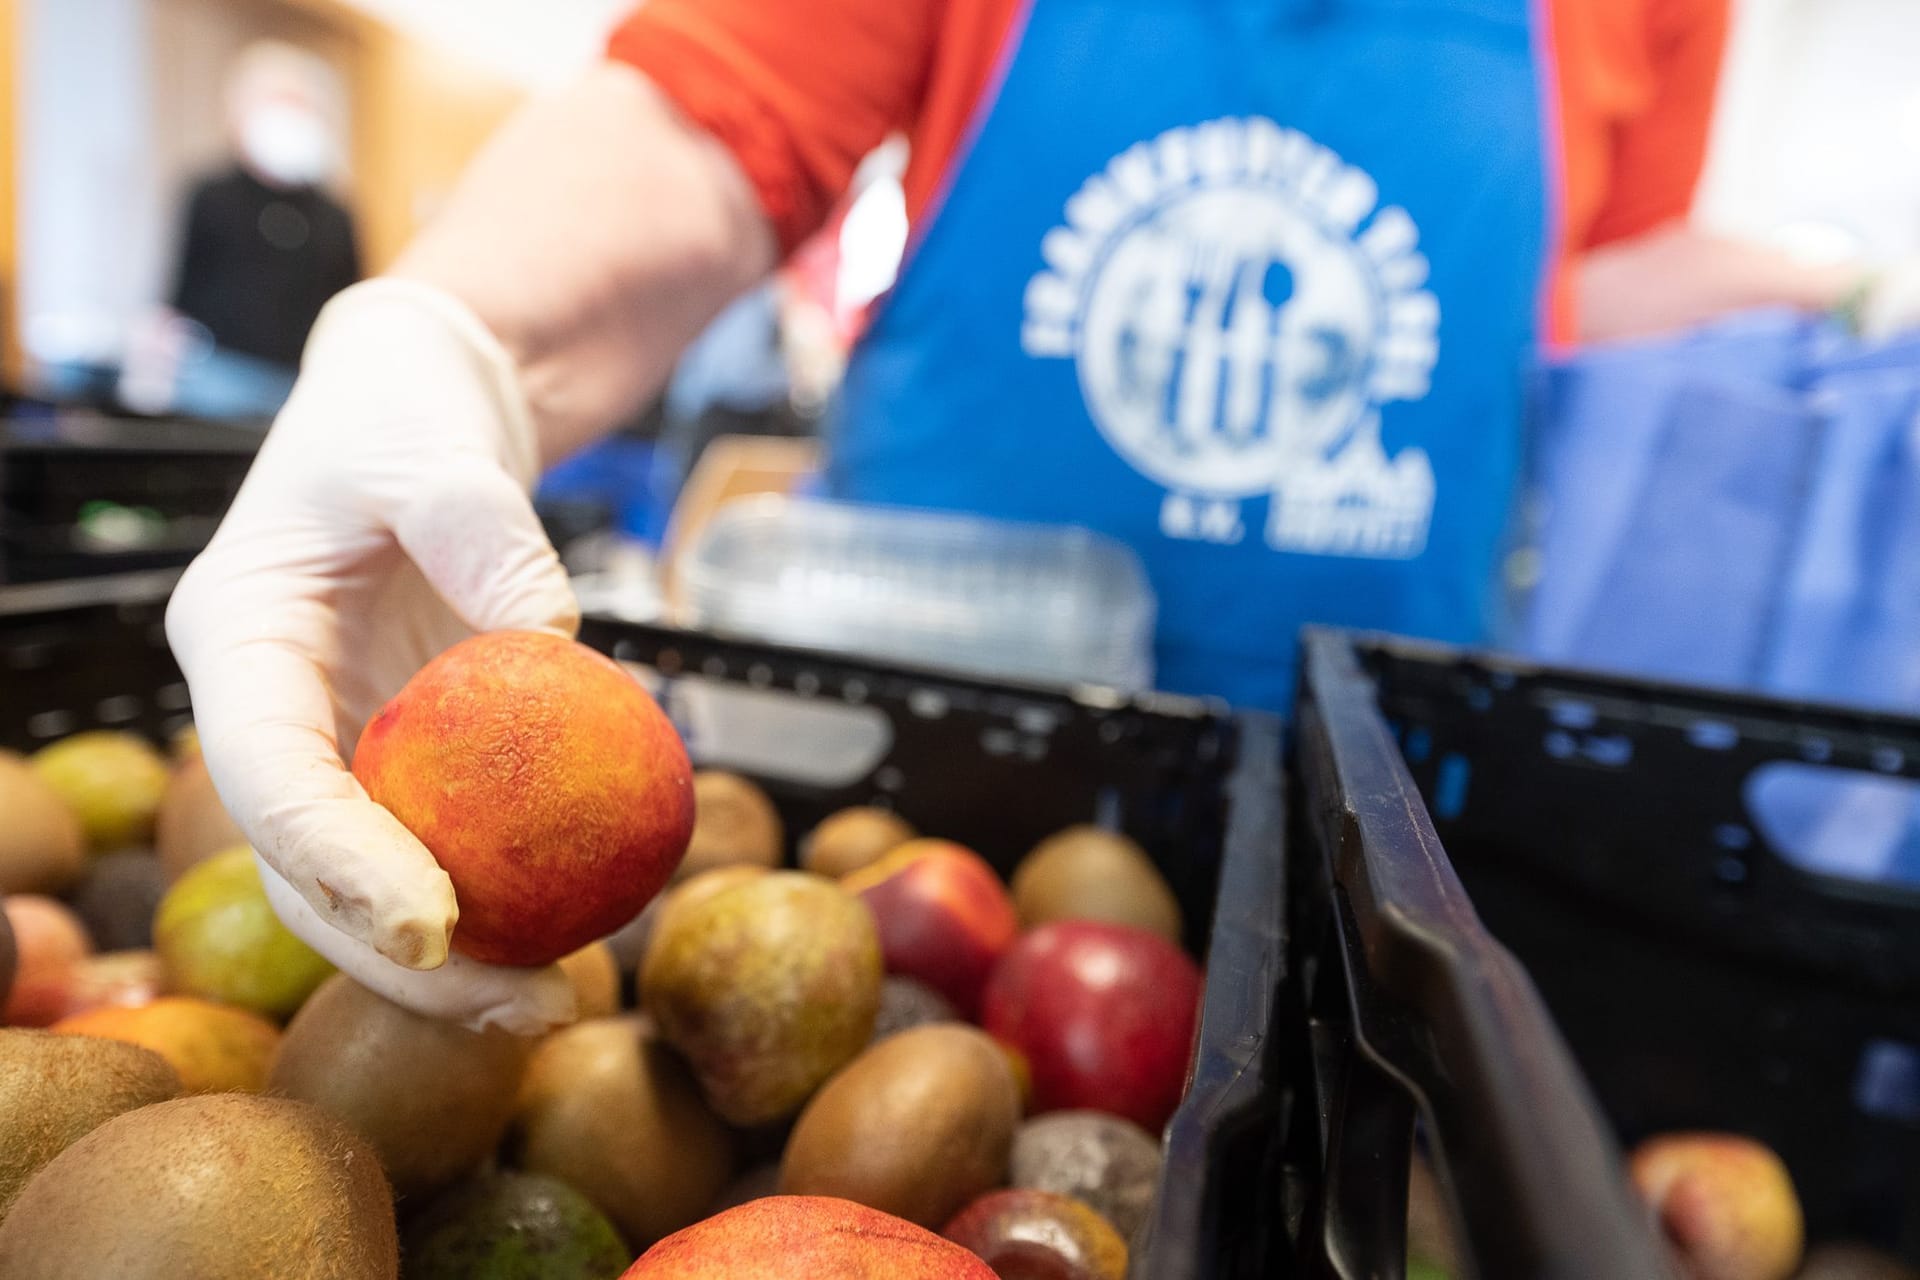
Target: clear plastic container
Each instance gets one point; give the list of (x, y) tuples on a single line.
[(1034, 602)]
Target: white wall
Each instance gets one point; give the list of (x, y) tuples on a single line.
[(121, 109), (534, 43), (1817, 139), (91, 210)]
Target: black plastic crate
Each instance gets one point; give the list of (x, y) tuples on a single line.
[(1603, 827), (52, 469), (1350, 987), (997, 766), (1412, 1010)]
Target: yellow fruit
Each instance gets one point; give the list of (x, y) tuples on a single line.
[(216, 1049), (766, 988), (218, 937), (111, 780)]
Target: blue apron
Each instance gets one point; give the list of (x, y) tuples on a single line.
[(1249, 285)]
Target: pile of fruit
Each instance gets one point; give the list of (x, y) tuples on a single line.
[(886, 1062)]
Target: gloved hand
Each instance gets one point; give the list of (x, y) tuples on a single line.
[(386, 518), (1891, 302)]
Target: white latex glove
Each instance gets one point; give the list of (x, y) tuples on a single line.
[(386, 518), (1892, 301)]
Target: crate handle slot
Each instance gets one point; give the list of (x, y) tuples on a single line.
[(1839, 824)]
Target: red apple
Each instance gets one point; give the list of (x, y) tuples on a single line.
[(1725, 1203), (1025, 1234), (944, 916), (1105, 1015), (545, 781), (813, 1236), (52, 943)]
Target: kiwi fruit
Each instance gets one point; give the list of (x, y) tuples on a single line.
[(609, 1110), (851, 839), (42, 849), (1110, 1163), (222, 1187), (118, 898), (917, 1126), (191, 824), (1089, 873), (512, 1226), (55, 1089), (112, 781), (432, 1098), (734, 823)]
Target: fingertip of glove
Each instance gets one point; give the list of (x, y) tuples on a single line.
[(414, 944)]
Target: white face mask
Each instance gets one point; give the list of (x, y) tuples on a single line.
[(287, 144)]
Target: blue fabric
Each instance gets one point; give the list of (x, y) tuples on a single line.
[(1251, 287), (230, 386), (1741, 506), (629, 477)]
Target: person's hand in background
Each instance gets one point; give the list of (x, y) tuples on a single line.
[(1890, 303), (1678, 276), (386, 518)]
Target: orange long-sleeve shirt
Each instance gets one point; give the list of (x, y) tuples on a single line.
[(800, 90)]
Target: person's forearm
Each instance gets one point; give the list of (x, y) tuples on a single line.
[(595, 237), (1677, 276)]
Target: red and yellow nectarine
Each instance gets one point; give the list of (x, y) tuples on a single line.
[(546, 782), (943, 914)]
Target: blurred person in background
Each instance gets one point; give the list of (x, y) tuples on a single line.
[(263, 246), (1250, 287)]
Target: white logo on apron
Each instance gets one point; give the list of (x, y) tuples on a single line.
[(1238, 309)]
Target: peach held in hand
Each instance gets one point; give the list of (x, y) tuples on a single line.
[(546, 782)]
